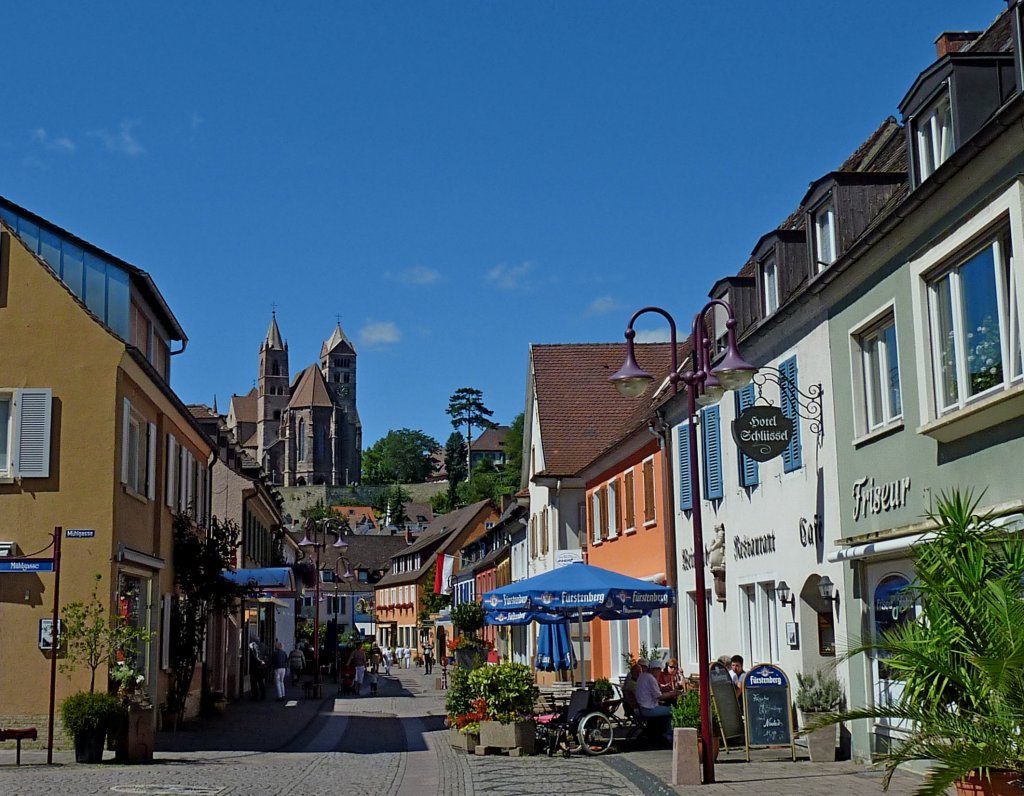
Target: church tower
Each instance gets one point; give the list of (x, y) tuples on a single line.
[(338, 367), (272, 398)]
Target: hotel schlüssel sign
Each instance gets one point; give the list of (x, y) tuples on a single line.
[(762, 432)]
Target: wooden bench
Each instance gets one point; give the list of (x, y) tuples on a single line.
[(18, 735)]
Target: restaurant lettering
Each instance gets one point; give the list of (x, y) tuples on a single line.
[(762, 432), (871, 498), (749, 546)]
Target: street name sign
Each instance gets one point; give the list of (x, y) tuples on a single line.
[(79, 533), (27, 565)]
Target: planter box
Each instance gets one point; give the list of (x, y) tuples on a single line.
[(821, 744), (470, 658), (517, 734), (460, 740), (89, 745), (135, 736)]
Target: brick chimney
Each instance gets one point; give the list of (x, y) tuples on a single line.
[(954, 41)]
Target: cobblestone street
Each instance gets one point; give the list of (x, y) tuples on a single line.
[(395, 744)]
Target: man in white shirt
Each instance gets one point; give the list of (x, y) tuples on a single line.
[(648, 696)]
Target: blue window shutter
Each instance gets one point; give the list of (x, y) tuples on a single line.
[(713, 487), (748, 467), (685, 497), (792, 457)]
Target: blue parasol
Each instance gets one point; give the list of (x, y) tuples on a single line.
[(554, 649)]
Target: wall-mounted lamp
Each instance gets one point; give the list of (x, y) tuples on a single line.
[(826, 588), (782, 589)]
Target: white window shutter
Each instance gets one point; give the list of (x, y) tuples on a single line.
[(151, 463), (32, 433), (182, 461), (124, 440)]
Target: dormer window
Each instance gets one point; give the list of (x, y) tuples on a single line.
[(825, 236), (933, 136), (770, 286)]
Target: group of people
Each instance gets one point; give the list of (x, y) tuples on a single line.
[(278, 663)]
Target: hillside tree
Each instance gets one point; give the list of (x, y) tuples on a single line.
[(466, 408)]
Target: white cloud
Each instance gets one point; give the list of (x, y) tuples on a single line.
[(509, 277), (58, 144), (603, 304), (196, 121), (379, 333), (652, 336), (418, 275), (123, 141)]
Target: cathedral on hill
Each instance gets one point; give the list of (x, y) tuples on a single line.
[(304, 430)]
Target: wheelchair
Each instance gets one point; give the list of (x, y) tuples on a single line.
[(581, 725)]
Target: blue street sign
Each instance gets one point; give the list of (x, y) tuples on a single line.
[(79, 533), (27, 565)]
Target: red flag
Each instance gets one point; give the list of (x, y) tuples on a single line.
[(438, 574)]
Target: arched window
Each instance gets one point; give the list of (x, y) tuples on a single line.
[(275, 370), (277, 414), (300, 444)]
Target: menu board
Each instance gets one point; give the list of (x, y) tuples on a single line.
[(766, 704), (723, 692)]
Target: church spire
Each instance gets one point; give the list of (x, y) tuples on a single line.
[(273, 339)]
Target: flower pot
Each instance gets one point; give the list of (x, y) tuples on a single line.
[(136, 735), (467, 742), (821, 744), (469, 658), (502, 735), (716, 746), (998, 783), (89, 745)]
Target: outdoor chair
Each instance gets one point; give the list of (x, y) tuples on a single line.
[(634, 724)]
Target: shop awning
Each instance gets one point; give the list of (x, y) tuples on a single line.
[(278, 581)]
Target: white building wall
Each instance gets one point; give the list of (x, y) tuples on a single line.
[(778, 530)]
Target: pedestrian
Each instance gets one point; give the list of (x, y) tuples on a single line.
[(371, 678), (357, 660), (296, 662), (386, 655), (407, 657), (257, 671), (375, 657), (279, 663), (428, 657), (736, 672)]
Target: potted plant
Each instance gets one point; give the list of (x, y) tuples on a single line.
[(686, 713), (603, 689), (133, 726), (458, 706), (86, 717), (819, 693), (470, 649), (509, 692), (960, 659)]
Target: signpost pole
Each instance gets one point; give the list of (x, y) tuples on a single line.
[(54, 642)]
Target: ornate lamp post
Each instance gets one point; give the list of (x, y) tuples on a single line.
[(312, 538), (704, 386)]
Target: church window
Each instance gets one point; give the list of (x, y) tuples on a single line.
[(275, 370), (277, 414), (300, 443), (348, 378)]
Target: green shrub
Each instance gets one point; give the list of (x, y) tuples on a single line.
[(603, 688), (686, 710), (819, 692), (508, 688), (468, 617), (84, 711), (459, 699)]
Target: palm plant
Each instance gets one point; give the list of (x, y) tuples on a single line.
[(961, 660)]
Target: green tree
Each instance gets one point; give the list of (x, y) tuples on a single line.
[(455, 458), (511, 471), (401, 456), (391, 502), (483, 484), (466, 408), (92, 637)]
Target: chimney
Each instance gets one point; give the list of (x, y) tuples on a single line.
[(954, 41)]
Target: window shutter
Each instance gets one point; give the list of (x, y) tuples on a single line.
[(748, 467), (125, 418), (182, 468), (171, 475), (713, 487), (151, 463), (685, 496), (595, 533), (792, 457), (32, 433), (627, 498), (602, 498)]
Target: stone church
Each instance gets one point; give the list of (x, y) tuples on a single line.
[(304, 430)]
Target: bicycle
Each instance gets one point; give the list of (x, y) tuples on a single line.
[(579, 726)]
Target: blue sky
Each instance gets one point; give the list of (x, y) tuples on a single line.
[(456, 180)]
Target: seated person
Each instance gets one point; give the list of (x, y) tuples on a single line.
[(648, 696), (670, 678)]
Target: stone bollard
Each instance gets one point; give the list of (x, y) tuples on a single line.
[(685, 762)]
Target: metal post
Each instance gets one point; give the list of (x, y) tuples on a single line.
[(54, 642)]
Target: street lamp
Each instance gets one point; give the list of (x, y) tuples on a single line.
[(705, 386), (310, 538)]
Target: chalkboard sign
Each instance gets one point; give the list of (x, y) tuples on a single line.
[(723, 693), (767, 706)]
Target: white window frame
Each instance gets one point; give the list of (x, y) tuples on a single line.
[(933, 135), (7, 473), (770, 285), (613, 528), (691, 626), (595, 513), (863, 378), (759, 622), (28, 433), (618, 635), (984, 224), (138, 453), (825, 213)]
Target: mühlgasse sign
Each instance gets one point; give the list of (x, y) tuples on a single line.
[(762, 432)]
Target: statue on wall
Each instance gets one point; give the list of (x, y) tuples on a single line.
[(716, 561)]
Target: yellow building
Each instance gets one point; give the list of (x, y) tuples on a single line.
[(92, 439)]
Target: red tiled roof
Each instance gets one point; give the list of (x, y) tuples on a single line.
[(493, 439), (311, 389), (580, 411), (245, 406)]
